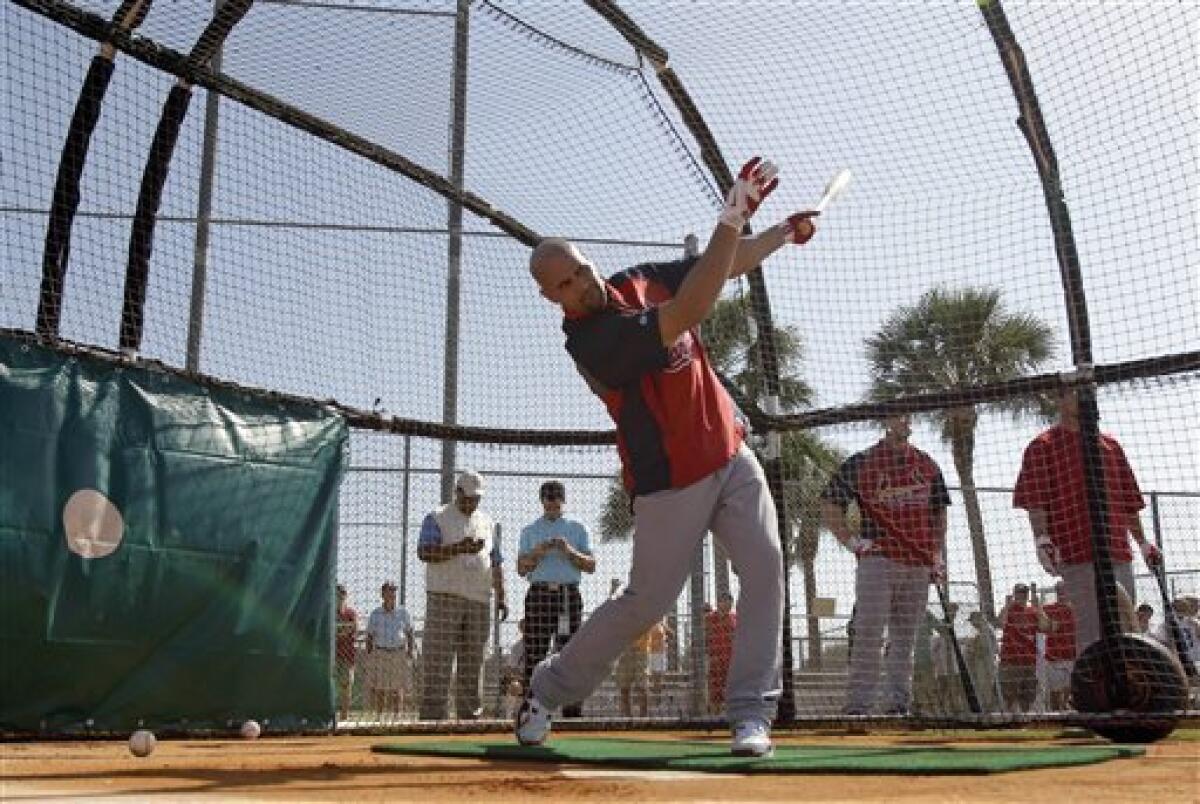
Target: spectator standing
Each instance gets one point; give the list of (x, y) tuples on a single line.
[(1051, 489), (902, 499), (389, 652), (1020, 623), (554, 552), (462, 573)]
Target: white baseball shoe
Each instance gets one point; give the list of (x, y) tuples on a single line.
[(532, 725), (752, 738)]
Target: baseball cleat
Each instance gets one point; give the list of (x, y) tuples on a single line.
[(532, 722), (752, 738)]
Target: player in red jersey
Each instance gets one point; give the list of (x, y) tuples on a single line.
[(636, 340)]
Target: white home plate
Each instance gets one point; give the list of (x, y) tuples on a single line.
[(93, 525), (643, 775)]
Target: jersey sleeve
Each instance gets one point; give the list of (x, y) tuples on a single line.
[(668, 274), (1032, 490), (525, 542), (617, 350), (431, 534), (582, 542), (1129, 494)]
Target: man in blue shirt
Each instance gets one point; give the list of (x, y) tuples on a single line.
[(554, 552)]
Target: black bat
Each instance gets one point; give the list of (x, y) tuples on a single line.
[(65, 203), (1173, 627), (158, 165), (963, 673)]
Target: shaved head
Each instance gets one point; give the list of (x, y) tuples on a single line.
[(552, 249), (566, 277)]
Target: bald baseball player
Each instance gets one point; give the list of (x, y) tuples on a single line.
[(635, 338)]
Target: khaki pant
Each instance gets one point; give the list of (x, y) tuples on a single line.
[(456, 632)]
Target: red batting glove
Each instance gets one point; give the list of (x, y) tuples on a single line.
[(754, 183), (1151, 554), (799, 228)]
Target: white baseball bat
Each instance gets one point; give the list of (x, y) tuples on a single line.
[(837, 185)]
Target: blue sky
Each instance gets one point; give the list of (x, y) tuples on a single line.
[(574, 140)]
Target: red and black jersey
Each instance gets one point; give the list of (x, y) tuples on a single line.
[(675, 422), (899, 491), (1052, 480)]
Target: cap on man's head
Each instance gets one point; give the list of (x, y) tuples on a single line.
[(470, 484), (553, 490), (387, 585)]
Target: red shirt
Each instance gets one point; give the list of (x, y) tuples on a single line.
[(1051, 480), (347, 628), (719, 630), (1060, 642), (901, 493), (675, 421), (1019, 643)]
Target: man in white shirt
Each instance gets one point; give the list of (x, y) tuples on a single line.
[(462, 572)]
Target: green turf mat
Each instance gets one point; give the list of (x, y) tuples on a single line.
[(714, 757)]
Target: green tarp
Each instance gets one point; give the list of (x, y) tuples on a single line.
[(167, 551)]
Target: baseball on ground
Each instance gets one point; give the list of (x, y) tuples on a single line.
[(142, 742)]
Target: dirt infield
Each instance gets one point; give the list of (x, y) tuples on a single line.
[(344, 768)]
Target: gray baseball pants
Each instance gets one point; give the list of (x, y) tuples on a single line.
[(893, 595), (735, 504), (1080, 583)]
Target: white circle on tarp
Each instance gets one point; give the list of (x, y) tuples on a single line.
[(93, 525)]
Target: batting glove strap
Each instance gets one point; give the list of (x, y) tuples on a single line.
[(754, 183)]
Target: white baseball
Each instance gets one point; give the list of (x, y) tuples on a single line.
[(251, 729), (142, 742)]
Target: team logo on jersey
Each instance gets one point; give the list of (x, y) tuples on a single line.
[(680, 355)]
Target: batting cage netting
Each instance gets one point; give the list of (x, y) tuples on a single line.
[(232, 230)]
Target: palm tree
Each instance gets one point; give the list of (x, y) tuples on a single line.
[(954, 340)]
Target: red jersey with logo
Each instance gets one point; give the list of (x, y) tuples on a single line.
[(1019, 643), (900, 493), (347, 628), (1060, 640), (675, 422), (1051, 480)]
